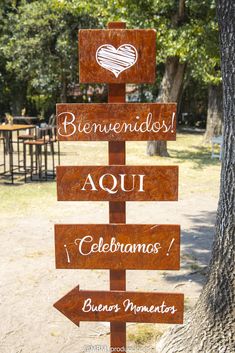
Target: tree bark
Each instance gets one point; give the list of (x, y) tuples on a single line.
[(214, 112), (210, 327), (18, 101), (170, 91)]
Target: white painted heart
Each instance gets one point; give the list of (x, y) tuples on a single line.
[(116, 60)]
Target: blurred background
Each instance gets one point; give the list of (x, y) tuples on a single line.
[(39, 56)]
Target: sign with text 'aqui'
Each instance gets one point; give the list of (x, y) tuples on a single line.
[(117, 183), (118, 56)]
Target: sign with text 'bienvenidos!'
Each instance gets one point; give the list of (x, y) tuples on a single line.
[(117, 183), (117, 246), (116, 122)]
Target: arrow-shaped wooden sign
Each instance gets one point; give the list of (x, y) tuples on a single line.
[(119, 306), (117, 246)]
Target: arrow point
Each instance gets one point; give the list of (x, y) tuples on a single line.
[(62, 305)]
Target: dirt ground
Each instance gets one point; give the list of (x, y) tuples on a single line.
[(30, 284)]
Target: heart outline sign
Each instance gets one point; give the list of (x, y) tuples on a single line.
[(116, 60)]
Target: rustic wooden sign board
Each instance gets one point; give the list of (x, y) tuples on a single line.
[(117, 183), (117, 246), (115, 306), (117, 55), (116, 122)]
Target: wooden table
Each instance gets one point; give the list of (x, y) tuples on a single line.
[(9, 129)]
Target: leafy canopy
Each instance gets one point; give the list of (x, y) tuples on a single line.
[(38, 42)]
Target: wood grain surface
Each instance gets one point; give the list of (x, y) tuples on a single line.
[(116, 122), (143, 41), (117, 183), (117, 246), (120, 306)]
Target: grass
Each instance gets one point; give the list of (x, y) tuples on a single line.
[(21, 198), (198, 173), (141, 334), (195, 267)]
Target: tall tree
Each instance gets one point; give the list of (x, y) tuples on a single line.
[(172, 81), (210, 327), (187, 38), (39, 44), (13, 90), (214, 112), (205, 68)]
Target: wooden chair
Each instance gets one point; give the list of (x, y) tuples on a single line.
[(38, 151), (51, 121), (21, 138), (54, 138)]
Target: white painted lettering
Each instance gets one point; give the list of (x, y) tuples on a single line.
[(161, 309), (109, 190), (69, 128), (87, 246), (89, 181), (67, 123), (89, 307)]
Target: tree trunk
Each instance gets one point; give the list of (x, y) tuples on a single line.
[(172, 83), (214, 112), (18, 101), (210, 327), (170, 91)]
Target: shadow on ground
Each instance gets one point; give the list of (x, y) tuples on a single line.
[(196, 246), (200, 158)]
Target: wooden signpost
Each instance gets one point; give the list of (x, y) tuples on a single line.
[(118, 56)]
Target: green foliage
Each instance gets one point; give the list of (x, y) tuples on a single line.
[(38, 40), (40, 43), (191, 36)]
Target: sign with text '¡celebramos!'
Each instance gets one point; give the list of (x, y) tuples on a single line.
[(80, 305), (117, 183), (117, 55), (117, 246), (116, 122)]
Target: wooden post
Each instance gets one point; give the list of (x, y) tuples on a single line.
[(117, 210)]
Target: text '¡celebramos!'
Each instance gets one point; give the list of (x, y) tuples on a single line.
[(87, 246)]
